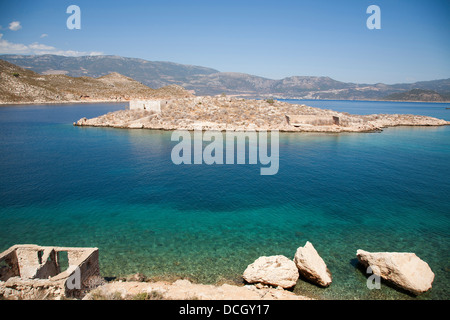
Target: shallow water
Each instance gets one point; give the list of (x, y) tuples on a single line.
[(118, 190)]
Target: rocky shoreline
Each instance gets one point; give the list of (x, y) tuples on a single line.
[(85, 101), (272, 278), (32, 272), (225, 113), (185, 290)]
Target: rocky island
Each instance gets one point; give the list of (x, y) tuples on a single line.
[(223, 113)]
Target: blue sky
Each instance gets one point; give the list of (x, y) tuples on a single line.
[(273, 39)]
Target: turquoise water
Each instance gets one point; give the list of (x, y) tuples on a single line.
[(119, 191)]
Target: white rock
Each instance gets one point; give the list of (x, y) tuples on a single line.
[(311, 265), (273, 270), (406, 270)]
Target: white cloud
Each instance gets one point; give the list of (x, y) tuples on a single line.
[(44, 35), (96, 53), (36, 48), (15, 25), (8, 47)]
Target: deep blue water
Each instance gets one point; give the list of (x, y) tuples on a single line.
[(118, 190)]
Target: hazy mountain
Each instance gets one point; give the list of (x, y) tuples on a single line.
[(207, 81), (417, 95), (154, 74)]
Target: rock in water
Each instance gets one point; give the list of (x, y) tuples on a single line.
[(311, 265), (273, 270), (406, 270)]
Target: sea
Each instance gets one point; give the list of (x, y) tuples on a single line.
[(118, 190)]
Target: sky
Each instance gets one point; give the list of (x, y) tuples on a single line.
[(272, 39)]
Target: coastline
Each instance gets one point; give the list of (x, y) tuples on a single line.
[(12, 103), (3, 104)]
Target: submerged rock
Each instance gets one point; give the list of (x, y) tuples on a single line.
[(274, 270), (406, 270), (311, 265)]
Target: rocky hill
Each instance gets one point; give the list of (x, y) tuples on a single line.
[(418, 95), (19, 85)]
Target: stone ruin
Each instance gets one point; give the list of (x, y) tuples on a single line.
[(35, 272), (312, 120), (149, 105)]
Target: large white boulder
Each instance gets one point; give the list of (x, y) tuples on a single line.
[(274, 270), (406, 270), (311, 266)]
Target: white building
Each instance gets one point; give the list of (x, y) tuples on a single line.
[(149, 105)]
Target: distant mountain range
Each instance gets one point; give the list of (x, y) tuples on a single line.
[(418, 95), (207, 81)]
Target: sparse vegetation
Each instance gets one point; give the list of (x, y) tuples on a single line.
[(97, 295), (152, 295)]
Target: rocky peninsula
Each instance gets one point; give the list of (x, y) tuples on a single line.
[(24, 86), (223, 113)]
